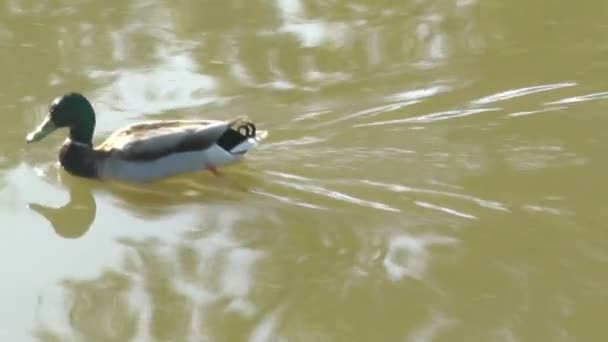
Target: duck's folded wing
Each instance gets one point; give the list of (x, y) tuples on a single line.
[(153, 140)]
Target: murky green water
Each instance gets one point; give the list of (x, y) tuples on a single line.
[(434, 172)]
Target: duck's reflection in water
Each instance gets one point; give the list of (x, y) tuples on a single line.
[(73, 219), (162, 197), (150, 200)]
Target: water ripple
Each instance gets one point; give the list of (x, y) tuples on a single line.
[(395, 103), (311, 115), (318, 190), (444, 209), (417, 94), (509, 94), (402, 188), (530, 112), (450, 114), (295, 142), (581, 98), (546, 210), (288, 176), (289, 200), (387, 108)]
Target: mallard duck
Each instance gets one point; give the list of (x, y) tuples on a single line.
[(144, 151)]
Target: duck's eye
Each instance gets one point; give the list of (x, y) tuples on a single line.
[(54, 104)]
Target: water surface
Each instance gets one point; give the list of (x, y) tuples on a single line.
[(434, 172)]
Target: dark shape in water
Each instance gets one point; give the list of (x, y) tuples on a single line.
[(73, 219)]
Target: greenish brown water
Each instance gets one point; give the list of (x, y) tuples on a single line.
[(434, 172)]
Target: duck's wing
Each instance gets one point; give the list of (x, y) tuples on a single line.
[(156, 139)]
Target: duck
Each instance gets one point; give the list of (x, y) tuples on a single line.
[(145, 151)]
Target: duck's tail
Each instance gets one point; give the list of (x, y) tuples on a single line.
[(241, 136)]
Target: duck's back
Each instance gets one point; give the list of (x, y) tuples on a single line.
[(156, 139), (159, 149)]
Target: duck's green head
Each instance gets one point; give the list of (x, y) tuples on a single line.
[(70, 110)]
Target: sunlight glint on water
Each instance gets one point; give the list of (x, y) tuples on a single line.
[(432, 173)]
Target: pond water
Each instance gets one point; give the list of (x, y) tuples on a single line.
[(432, 173)]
